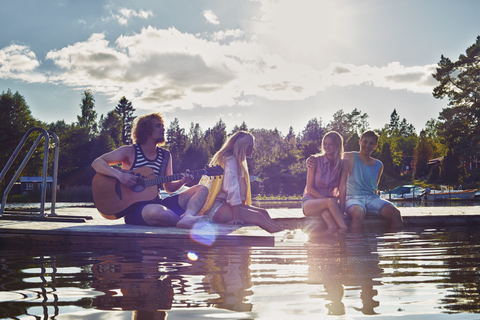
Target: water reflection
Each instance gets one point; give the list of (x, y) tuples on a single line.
[(346, 260), (132, 284), (342, 274), (147, 283)]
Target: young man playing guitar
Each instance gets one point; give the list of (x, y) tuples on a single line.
[(180, 210)]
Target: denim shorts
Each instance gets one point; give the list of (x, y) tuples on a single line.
[(214, 208), (135, 215), (305, 199), (371, 204)]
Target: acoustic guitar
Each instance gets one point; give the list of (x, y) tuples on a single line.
[(113, 199)]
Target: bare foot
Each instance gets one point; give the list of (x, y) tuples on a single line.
[(187, 222)]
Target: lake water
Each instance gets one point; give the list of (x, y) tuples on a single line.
[(412, 274), (269, 204)]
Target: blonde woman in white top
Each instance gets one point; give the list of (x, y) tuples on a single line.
[(232, 202)]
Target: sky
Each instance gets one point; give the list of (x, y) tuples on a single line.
[(270, 64)]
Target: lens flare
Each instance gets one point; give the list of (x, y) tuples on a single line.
[(204, 232), (192, 256)]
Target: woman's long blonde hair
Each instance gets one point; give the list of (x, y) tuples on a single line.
[(235, 145), (337, 141)]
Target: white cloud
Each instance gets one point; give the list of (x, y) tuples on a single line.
[(211, 17), (124, 15), (19, 62), (394, 76), (222, 35), (168, 68)]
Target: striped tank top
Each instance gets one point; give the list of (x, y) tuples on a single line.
[(158, 165)]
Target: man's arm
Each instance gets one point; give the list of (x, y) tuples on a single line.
[(350, 159), (121, 155), (379, 175), (311, 162), (342, 188), (175, 185)]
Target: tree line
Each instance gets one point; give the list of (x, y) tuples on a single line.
[(279, 160)]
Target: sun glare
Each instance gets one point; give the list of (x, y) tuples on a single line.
[(304, 27)]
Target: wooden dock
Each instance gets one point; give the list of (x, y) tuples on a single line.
[(85, 226)]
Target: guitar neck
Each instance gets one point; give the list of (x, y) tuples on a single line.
[(173, 177)]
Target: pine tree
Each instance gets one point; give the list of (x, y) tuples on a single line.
[(422, 153), (125, 110), (89, 115)]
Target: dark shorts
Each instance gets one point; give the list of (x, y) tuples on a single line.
[(135, 215)]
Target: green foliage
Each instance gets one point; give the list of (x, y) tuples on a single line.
[(88, 114), (112, 128), (459, 127), (196, 155), (75, 154), (432, 132), (242, 127), (435, 173), (311, 139), (16, 121), (422, 154), (125, 111), (399, 128), (387, 160), (348, 124), (279, 161), (401, 139), (177, 143), (352, 143), (452, 168)]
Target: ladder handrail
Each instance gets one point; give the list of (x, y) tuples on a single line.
[(43, 134)]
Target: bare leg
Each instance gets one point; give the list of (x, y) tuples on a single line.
[(327, 217), (316, 207), (271, 224), (249, 215), (159, 216), (192, 200), (357, 214), (392, 213)]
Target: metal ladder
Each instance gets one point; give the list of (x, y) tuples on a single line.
[(41, 216)]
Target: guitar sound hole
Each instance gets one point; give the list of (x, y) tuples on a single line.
[(139, 187)]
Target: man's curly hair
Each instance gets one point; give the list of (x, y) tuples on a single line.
[(143, 127)]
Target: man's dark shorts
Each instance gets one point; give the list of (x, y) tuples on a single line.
[(135, 215)]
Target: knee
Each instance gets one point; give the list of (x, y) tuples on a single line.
[(153, 213), (397, 214), (392, 212), (356, 213), (152, 210), (332, 202), (201, 190), (264, 212)]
